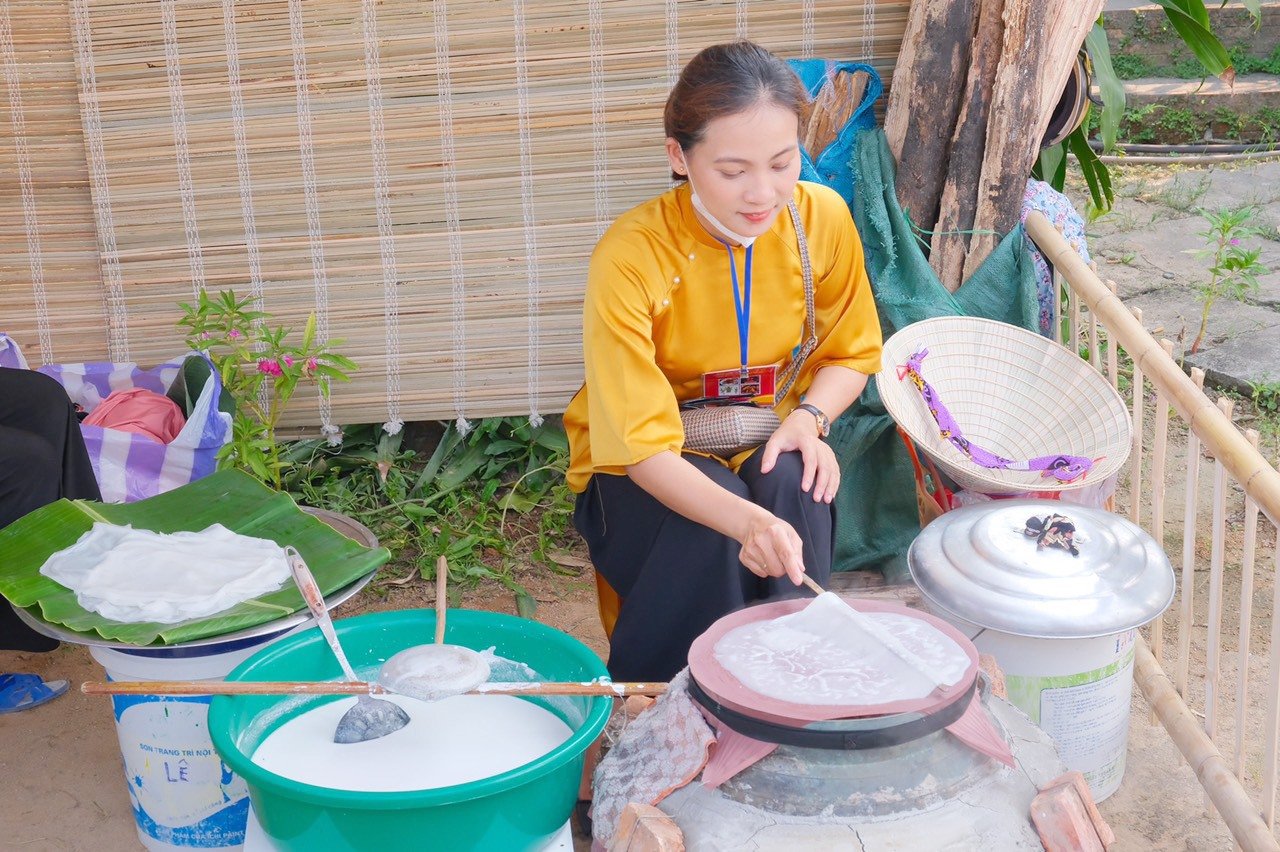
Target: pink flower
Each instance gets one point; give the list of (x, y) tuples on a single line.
[(233, 334), (205, 335), (1234, 241), (288, 360), (311, 366), (270, 367)]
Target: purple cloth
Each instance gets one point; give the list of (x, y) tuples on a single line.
[(1063, 467)]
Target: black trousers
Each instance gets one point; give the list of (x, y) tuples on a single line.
[(675, 576), (42, 458)]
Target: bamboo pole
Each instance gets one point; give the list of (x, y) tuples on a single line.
[(1157, 499), (1246, 615), (1135, 457), (1057, 306), (1271, 726), (1217, 561), (1095, 361), (1074, 325), (1113, 356), (248, 687), (1212, 771), (1189, 515), (1226, 442)]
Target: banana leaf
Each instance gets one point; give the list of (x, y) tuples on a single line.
[(229, 497)]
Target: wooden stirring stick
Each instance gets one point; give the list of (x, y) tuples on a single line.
[(809, 582), (290, 687), (442, 577)]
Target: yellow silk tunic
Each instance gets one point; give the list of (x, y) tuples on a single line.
[(659, 312)]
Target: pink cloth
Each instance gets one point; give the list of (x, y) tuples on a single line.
[(139, 410)]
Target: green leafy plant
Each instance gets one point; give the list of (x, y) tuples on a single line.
[(1190, 19), (1233, 267), (489, 501), (1266, 397), (261, 367)]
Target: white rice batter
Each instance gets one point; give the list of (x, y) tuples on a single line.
[(131, 575), (453, 741), (829, 654)]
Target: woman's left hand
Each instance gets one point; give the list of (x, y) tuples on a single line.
[(799, 432)]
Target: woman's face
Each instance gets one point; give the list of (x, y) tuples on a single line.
[(745, 168)]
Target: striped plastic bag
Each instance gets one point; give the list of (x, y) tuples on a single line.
[(10, 354), (132, 467)]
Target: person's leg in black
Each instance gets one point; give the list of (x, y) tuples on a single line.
[(779, 492), (675, 576), (35, 403), (42, 458), (29, 472)]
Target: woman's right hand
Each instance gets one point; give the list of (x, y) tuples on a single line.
[(771, 547)]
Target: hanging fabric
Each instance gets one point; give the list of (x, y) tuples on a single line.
[(453, 219), (243, 176), (311, 200), (527, 208), (382, 205), (599, 139), (178, 114), (91, 121), (30, 222)]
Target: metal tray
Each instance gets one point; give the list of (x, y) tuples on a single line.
[(348, 527)]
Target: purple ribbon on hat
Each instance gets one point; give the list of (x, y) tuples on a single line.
[(1064, 468)]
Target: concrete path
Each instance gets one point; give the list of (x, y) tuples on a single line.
[(1147, 244)]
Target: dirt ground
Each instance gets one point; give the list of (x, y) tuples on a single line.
[(62, 788), (61, 784), (63, 791)]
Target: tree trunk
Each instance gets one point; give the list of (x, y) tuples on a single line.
[(924, 100), (950, 243), (1014, 130)]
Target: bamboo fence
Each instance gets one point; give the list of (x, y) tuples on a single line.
[(1234, 747), (429, 178)]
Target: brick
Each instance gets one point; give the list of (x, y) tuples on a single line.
[(1067, 819), (644, 828), (992, 669)]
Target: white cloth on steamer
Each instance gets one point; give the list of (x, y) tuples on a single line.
[(132, 575)]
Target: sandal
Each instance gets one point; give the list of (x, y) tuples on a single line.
[(23, 691)]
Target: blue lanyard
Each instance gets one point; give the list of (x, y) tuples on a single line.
[(741, 303)]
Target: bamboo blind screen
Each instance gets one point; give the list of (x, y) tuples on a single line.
[(427, 177)]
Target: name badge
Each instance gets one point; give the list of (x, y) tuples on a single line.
[(755, 382)]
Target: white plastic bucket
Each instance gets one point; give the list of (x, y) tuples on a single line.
[(1077, 690), (184, 797)]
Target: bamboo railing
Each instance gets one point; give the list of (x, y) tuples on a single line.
[(1248, 813)]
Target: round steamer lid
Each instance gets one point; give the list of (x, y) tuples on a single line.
[(979, 563)]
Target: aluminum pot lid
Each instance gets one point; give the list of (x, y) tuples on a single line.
[(1000, 566)]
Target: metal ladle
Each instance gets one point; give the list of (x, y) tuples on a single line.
[(433, 672), (371, 717)]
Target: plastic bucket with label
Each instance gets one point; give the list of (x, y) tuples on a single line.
[(183, 795), (1077, 691), (1058, 612)]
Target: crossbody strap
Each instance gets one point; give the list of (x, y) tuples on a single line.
[(792, 371)]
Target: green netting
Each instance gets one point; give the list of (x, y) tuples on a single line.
[(876, 515)]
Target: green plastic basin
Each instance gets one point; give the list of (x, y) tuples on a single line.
[(519, 809)]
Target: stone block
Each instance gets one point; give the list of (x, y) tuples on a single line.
[(1067, 819), (644, 828), (1241, 361), (1269, 290), (1174, 312)]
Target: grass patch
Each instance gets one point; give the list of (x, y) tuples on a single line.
[(493, 501)]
